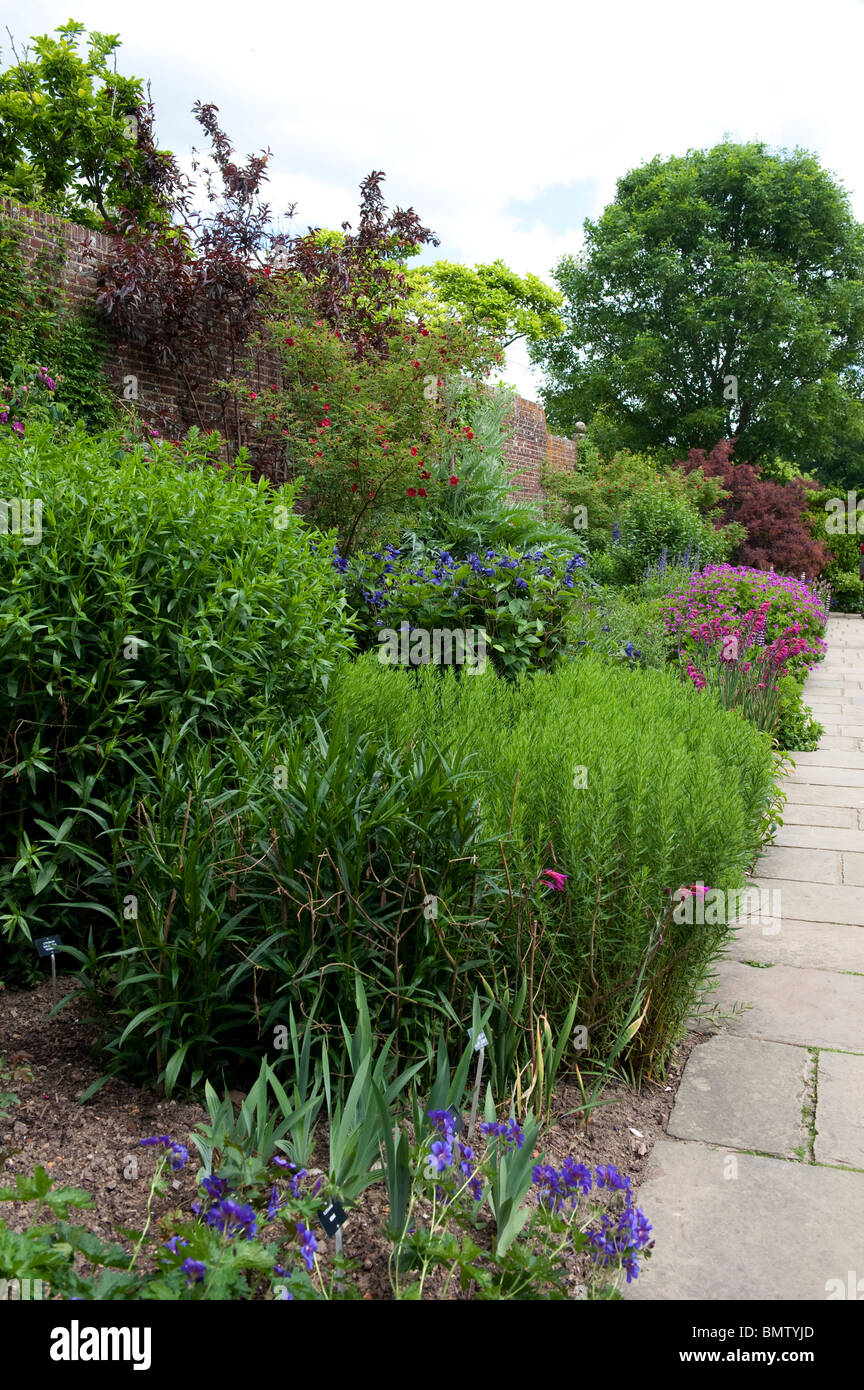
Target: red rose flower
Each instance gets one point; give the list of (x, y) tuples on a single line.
[(413, 451), (253, 395), (453, 480), (410, 492), (290, 342), (421, 492)]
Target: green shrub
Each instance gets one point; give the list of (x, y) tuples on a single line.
[(847, 590), (797, 731), (639, 512), (162, 595), (628, 627), (676, 791), (657, 521)]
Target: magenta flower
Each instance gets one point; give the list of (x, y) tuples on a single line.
[(554, 879)]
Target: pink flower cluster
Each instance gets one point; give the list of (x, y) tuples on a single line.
[(720, 606), (696, 676)]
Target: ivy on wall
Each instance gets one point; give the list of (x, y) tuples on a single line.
[(37, 327)]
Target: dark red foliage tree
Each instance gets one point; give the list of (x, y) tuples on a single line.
[(187, 288), (357, 286), (778, 532)]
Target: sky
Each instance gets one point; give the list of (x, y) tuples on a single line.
[(503, 126)]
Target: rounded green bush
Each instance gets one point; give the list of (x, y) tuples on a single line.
[(155, 593)]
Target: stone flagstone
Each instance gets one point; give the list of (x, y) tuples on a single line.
[(741, 1227), (839, 1111), (744, 1094), (817, 902), (815, 1008), (813, 945)]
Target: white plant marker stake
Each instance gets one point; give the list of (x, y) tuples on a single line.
[(480, 1048)]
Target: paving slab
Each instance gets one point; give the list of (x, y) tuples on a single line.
[(814, 902), (812, 795), (742, 1227), (823, 775), (818, 837), (814, 865), (806, 1007), (853, 868), (839, 1109), (799, 813), (812, 945), (743, 1094), (829, 757)]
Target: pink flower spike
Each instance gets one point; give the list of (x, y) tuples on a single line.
[(554, 879)]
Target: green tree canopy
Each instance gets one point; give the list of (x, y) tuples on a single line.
[(736, 271), (491, 298), (76, 137)]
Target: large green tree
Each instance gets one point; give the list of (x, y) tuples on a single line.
[(492, 300), (720, 294), (76, 138)]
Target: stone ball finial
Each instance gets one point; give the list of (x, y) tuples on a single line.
[(580, 429)]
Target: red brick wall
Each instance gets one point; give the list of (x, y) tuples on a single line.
[(532, 448), (163, 395)]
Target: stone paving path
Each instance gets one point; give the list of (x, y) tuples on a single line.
[(758, 1191)]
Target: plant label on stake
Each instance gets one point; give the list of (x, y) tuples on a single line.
[(480, 1045), (332, 1218), (47, 946)]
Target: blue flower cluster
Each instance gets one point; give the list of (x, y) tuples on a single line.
[(194, 1271), (299, 1175), (442, 1154), (232, 1218), (179, 1152), (509, 1131), (621, 1240), (612, 1240), (308, 1245), (489, 564)]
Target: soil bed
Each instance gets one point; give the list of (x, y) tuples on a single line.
[(96, 1145)]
